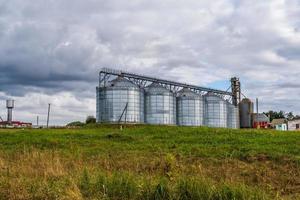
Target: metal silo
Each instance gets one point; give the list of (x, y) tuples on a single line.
[(190, 108), (246, 109), (215, 111), (121, 100), (160, 105), (232, 116)]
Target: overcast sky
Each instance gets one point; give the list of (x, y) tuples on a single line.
[(51, 51)]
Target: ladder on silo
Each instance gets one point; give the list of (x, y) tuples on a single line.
[(124, 111)]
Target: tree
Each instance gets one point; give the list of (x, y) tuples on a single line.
[(281, 114), (276, 115), (290, 116), (90, 120)]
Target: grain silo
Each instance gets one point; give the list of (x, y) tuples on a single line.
[(120, 101), (160, 105), (190, 108), (135, 98), (215, 111), (246, 109), (232, 116)]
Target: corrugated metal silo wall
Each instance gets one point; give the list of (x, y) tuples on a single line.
[(232, 117), (190, 111), (115, 103), (215, 112), (246, 109), (112, 102), (160, 108)]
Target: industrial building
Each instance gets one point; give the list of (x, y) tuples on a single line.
[(284, 124), (279, 124), (294, 125), (10, 104), (260, 120), (15, 124), (124, 97), (250, 119)]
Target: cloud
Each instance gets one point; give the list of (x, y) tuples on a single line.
[(54, 49)]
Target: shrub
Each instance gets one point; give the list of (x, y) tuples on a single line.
[(76, 123), (90, 120)]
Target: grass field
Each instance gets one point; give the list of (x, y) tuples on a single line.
[(149, 162)]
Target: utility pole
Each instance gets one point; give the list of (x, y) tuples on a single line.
[(257, 115), (49, 105), (37, 121), (257, 105)]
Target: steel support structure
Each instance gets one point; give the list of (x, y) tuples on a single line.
[(236, 91), (142, 81)]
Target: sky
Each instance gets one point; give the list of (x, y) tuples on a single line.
[(51, 51)]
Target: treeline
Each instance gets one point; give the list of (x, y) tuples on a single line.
[(281, 114)]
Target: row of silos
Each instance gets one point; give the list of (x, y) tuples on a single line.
[(122, 100)]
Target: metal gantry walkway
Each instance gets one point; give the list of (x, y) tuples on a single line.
[(142, 81)]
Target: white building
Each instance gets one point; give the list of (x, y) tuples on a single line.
[(294, 125), (281, 127), (279, 124)]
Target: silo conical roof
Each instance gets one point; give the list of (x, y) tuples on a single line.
[(155, 88), (121, 82), (185, 92), (213, 96)]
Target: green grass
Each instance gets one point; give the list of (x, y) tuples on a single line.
[(149, 162)]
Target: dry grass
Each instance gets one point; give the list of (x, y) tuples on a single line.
[(127, 167)]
